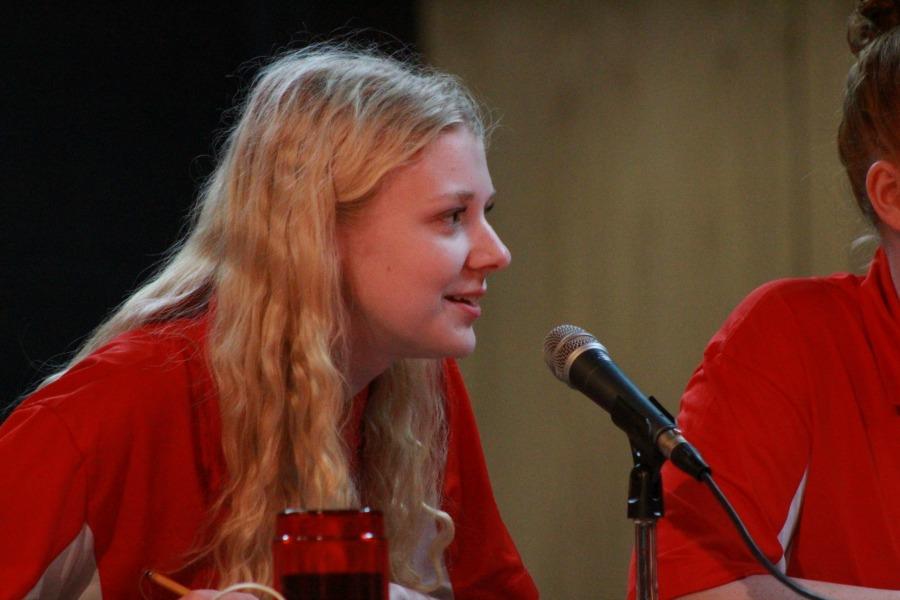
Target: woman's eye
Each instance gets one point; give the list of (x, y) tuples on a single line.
[(454, 217)]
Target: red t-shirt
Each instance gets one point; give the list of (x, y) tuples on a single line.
[(110, 471), (796, 407)]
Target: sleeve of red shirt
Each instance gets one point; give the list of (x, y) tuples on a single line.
[(42, 496), (482, 559), (746, 411)]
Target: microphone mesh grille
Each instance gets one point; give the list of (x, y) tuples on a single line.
[(559, 345)]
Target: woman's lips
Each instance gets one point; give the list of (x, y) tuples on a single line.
[(467, 303)]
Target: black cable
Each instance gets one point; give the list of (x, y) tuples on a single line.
[(754, 549)]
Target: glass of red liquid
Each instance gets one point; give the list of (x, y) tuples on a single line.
[(331, 555)]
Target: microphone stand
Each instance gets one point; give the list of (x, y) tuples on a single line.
[(645, 506)]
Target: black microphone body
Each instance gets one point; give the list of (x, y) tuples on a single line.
[(594, 374), (578, 359)]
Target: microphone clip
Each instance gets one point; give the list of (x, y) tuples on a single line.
[(645, 494)]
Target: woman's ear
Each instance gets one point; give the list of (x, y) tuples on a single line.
[(883, 187)]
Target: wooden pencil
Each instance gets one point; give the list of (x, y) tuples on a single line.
[(165, 582)]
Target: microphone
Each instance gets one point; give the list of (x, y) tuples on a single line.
[(579, 360)]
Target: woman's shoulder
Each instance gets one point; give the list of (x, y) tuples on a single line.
[(144, 370), (801, 292), (794, 298), (784, 312)]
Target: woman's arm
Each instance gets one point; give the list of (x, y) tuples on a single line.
[(766, 587)]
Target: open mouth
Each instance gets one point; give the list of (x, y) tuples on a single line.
[(462, 300)]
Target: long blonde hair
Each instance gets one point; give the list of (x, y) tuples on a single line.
[(318, 132)]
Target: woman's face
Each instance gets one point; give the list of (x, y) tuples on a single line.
[(417, 255)]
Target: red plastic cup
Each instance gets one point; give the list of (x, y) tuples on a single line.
[(331, 555)]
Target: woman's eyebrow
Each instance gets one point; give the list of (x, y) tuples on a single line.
[(462, 195)]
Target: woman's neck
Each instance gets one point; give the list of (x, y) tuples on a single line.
[(363, 370), (890, 241)]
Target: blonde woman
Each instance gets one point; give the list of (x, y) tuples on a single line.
[(294, 351)]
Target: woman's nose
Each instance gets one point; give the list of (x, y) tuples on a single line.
[(489, 253)]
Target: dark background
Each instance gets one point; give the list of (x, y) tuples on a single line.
[(110, 116)]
